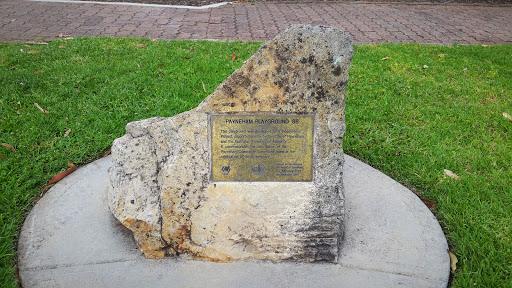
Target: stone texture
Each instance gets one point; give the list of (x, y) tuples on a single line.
[(160, 185)]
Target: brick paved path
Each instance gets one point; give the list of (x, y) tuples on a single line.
[(367, 23)]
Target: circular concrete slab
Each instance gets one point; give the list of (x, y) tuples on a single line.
[(70, 239)]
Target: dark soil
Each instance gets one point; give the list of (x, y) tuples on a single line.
[(208, 2)]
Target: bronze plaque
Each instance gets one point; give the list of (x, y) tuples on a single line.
[(261, 147)]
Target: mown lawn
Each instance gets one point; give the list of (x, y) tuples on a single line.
[(412, 112)]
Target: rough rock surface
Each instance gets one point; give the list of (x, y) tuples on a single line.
[(160, 184)]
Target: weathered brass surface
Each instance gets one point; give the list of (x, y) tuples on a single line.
[(261, 147)]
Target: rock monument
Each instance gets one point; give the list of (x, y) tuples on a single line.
[(255, 171)]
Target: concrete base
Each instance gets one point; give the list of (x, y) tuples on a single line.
[(70, 239)]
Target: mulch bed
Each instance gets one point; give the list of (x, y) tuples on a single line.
[(208, 2)]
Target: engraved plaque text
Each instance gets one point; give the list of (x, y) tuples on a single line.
[(261, 147)]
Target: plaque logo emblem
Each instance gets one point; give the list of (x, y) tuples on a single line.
[(258, 169), (225, 170)]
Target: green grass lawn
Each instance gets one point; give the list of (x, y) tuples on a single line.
[(421, 110)]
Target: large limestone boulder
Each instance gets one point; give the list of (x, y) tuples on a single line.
[(161, 181)]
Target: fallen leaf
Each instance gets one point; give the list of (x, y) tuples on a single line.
[(485, 45), (451, 174), (425, 66), (161, 64), (46, 188), (141, 45), (109, 151), (204, 89), (8, 146), (441, 55), (67, 133), (138, 66), (61, 35), (36, 43), (62, 47), (38, 72), (453, 261), (233, 57), (42, 110), (2, 157), (61, 175), (506, 115), (429, 203), (187, 58), (385, 58), (34, 51)]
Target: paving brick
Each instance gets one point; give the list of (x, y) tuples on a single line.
[(367, 23)]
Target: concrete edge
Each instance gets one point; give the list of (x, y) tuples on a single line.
[(58, 248)]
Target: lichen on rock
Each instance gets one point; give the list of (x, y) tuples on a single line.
[(161, 186)]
